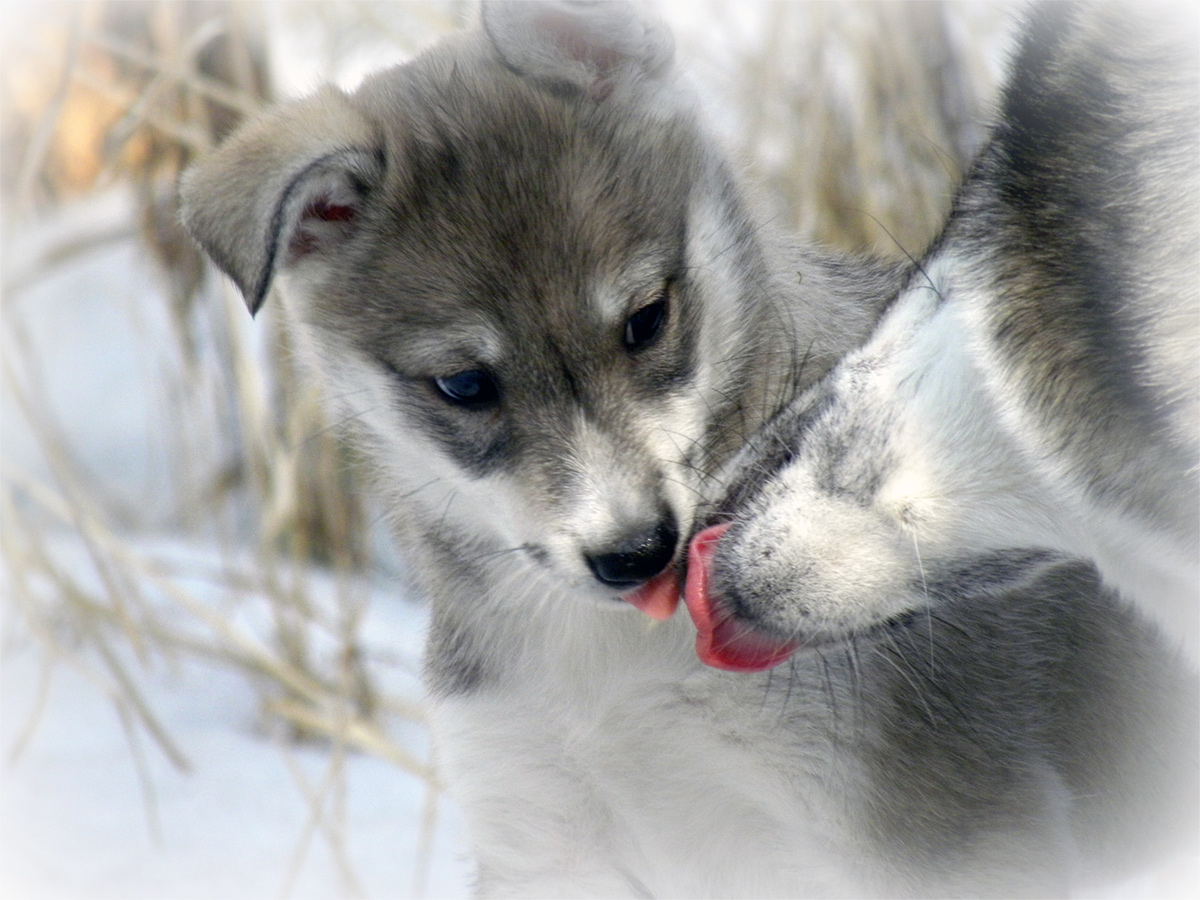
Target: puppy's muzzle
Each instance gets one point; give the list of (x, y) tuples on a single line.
[(637, 556)]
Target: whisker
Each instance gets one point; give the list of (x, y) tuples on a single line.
[(925, 592), (831, 693), (891, 653)]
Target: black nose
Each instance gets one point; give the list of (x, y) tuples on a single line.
[(637, 558)]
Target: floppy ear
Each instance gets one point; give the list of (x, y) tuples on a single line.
[(587, 46), (290, 185)]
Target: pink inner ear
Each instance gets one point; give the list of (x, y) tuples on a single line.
[(321, 208)]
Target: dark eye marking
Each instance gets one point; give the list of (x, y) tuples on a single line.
[(472, 388), (645, 325)]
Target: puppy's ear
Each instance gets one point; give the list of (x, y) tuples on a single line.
[(289, 186), (586, 46)]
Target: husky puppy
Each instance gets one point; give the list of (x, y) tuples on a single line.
[(1031, 396), (1035, 384), (535, 290)]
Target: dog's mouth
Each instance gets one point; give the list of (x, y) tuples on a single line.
[(723, 641), (727, 639), (657, 597)]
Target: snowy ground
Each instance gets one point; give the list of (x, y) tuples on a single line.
[(81, 821)]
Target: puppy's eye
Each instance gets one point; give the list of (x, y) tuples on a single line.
[(644, 326), (471, 388)]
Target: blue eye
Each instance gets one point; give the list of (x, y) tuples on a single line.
[(643, 326), (473, 387)]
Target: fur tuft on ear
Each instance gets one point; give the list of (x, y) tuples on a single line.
[(583, 45), (286, 187)]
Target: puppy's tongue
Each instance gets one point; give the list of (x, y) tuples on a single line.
[(721, 640), (658, 597)]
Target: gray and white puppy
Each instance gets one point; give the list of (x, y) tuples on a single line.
[(1030, 398), (535, 290), (1037, 381)]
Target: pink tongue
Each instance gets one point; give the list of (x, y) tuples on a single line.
[(722, 641), (658, 597)]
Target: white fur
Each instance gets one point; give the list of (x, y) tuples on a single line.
[(631, 769)]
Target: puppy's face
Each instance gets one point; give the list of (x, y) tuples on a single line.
[(517, 333), (840, 516), (520, 280), (802, 552)]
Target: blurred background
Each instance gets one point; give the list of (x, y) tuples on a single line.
[(209, 659)]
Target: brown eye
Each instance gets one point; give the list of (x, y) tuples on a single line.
[(644, 326)]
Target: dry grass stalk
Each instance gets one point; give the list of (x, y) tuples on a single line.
[(860, 117)]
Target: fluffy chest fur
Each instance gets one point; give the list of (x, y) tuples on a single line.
[(616, 765), (602, 760)]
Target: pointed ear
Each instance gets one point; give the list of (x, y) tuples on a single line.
[(587, 46), (288, 186)]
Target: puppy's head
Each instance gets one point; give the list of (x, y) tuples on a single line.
[(798, 554), (491, 255), (841, 515)]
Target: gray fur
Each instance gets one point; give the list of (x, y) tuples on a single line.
[(477, 198), (1093, 276)]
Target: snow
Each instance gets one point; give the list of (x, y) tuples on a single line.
[(79, 821), (92, 807)]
